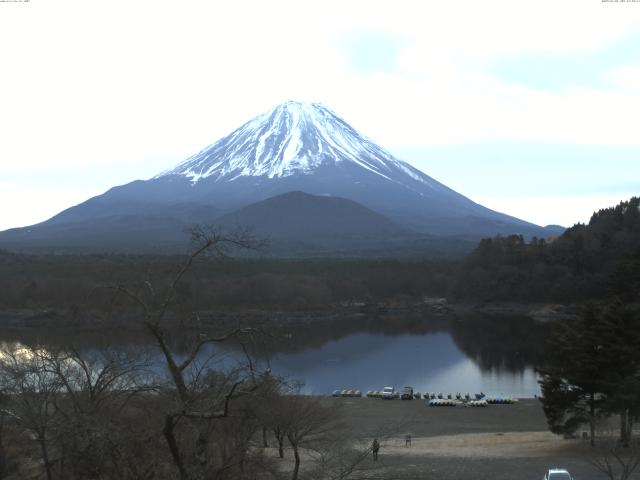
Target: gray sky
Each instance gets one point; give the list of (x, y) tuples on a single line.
[(527, 107)]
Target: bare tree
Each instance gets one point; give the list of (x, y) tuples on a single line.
[(305, 422), (615, 460), (32, 395), (315, 430), (77, 408), (198, 398), (344, 453), (340, 456), (4, 462), (98, 389), (92, 380), (267, 407)]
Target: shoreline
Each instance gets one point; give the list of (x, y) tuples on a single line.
[(429, 307)]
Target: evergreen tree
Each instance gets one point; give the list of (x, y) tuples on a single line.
[(573, 379), (592, 369), (620, 326)]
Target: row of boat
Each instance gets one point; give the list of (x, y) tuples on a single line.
[(347, 393), (437, 402), (433, 395), (437, 399)]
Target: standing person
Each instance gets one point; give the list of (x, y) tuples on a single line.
[(375, 446), (407, 440)]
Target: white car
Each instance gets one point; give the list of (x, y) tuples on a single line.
[(557, 474), (389, 393)]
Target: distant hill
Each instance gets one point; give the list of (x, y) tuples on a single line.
[(301, 216), (587, 262), (295, 224)]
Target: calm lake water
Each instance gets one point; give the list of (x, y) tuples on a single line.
[(428, 363), (496, 356), (493, 355)]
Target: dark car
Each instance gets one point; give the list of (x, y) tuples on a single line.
[(407, 393)]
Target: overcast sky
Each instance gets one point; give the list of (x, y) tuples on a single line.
[(528, 107)]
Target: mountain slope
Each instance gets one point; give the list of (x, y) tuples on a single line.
[(102, 227), (129, 233)]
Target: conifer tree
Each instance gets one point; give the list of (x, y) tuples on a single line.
[(620, 326), (592, 369), (573, 379)]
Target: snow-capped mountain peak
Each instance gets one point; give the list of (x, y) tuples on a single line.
[(275, 171), (292, 138)]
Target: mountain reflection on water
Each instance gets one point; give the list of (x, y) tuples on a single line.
[(429, 362), (493, 355), (496, 355)]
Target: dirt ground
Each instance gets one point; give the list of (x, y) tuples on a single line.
[(496, 442)]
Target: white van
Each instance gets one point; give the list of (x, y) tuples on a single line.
[(389, 393)]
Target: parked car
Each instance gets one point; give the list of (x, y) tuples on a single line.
[(388, 393), (407, 393), (557, 474)]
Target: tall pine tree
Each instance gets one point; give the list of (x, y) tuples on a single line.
[(620, 327), (572, 378), (592, 369)]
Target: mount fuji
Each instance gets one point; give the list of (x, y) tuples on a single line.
[(295, 147)]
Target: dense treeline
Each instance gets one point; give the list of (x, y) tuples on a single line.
[(30, 281), (594, 261)]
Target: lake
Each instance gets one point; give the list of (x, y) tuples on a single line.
[(428, 363), (494, 355)]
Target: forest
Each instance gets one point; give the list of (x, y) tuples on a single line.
[(598, 260), (589, 262), (39, 281)]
